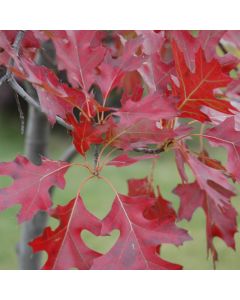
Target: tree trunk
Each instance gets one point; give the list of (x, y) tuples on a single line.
[(36, 142)]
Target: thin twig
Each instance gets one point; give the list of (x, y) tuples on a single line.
[(96, 154), (105, 160), (18, 40), (201, 145), (61, 122), (154, 151), (21, 115), (221, 46), (16, 47), (69, 154), (3, 79), (18, 89), (149, 151)]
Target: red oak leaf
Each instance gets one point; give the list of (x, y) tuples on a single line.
[(208, 40), (79, 45), (197, 89), (31, 185), (227, 136), (155, 78), (152, 41), (221, 220), (64, 245), (127, 135), (141, 187), (112, 71), (132, 86), (84, 134), (191, 197), (152, 107), (188, 45), (124, 160), (129, 61), (212, 192), (56, 98), (211, 162), (161, 71), (108, 77), (144, 222), (156, 73), (212, 181), (233, 36), (159, 64), (180, 165)]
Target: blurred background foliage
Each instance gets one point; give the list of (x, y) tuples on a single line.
[(98, 197)]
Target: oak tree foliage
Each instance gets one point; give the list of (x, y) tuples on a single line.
[(141, 93)]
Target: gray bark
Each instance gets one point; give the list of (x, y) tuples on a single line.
[(36, 142)]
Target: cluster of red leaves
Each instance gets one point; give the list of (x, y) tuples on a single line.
[(131, 91)]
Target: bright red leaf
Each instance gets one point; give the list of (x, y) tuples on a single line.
[(112, 71), (131, 91), (152, 107), (85, 55), (227, 136), (188, 45), (56, 98), (127, 135), (145, 222), (212, 181), (212, 192), (220, 220), (197, 89), (31, 185), (208, 40), (159, 64), (84, 134), (64, 245)]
